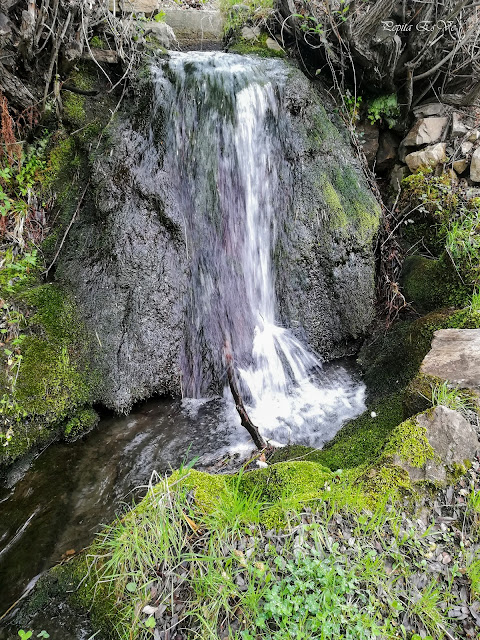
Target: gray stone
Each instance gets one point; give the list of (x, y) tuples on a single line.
[(429, 157), (399, 172), (273, 45), (455, 357), (460, 166), (473, 136), (466, 147), (251, 33), (431, 109), (148, 7), (475, 166), (5, 25), (458, 126), (426, 131), (452, 438), (163, 34)]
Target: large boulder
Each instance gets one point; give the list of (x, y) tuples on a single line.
[(455, 357), (128, 260)]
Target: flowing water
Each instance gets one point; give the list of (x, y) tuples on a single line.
[(226, 140)]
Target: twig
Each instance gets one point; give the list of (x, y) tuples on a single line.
[(68, 229)]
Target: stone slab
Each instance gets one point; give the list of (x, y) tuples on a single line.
[(455, 357), (195, 25)]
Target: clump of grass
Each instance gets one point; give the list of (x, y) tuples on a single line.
[(447, 396), (475, 301)]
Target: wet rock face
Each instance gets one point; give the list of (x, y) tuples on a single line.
[(325, 267), (126, 261)]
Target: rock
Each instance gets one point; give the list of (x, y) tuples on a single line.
[(127, 260), (251, 33), (458, 126), (426, 131), (368, 134), (387, 151), (455, 357), (475, 166), (460, 165), (196, 29), (148, 7), (5, 25), (452, 438), (473, 136), (431, 109), (163, 34), (402, 152), (428, 157), (466, 147), (273, 45), (399, 172)]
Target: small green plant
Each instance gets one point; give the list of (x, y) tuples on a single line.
[(317, 597), (475, 301), (445, 395), (353, 105), (160, 16), (384, 109), (25, 635)]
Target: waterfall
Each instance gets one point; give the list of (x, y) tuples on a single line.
[(226, 151)]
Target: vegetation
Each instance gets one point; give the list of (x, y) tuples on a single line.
[(336, 566)]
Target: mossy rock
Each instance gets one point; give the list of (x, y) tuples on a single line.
[(56, 378), (80, 423), (431, 284)]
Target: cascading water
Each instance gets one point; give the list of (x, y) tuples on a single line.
[(226, 152)]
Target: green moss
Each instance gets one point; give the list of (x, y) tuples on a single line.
[(287, 479), (256, 47), (56, 377), (385, 480), (350, 209), (81, 422), (206, 488), (433, 283), (410, 443), (98, 43), (74, 109)]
